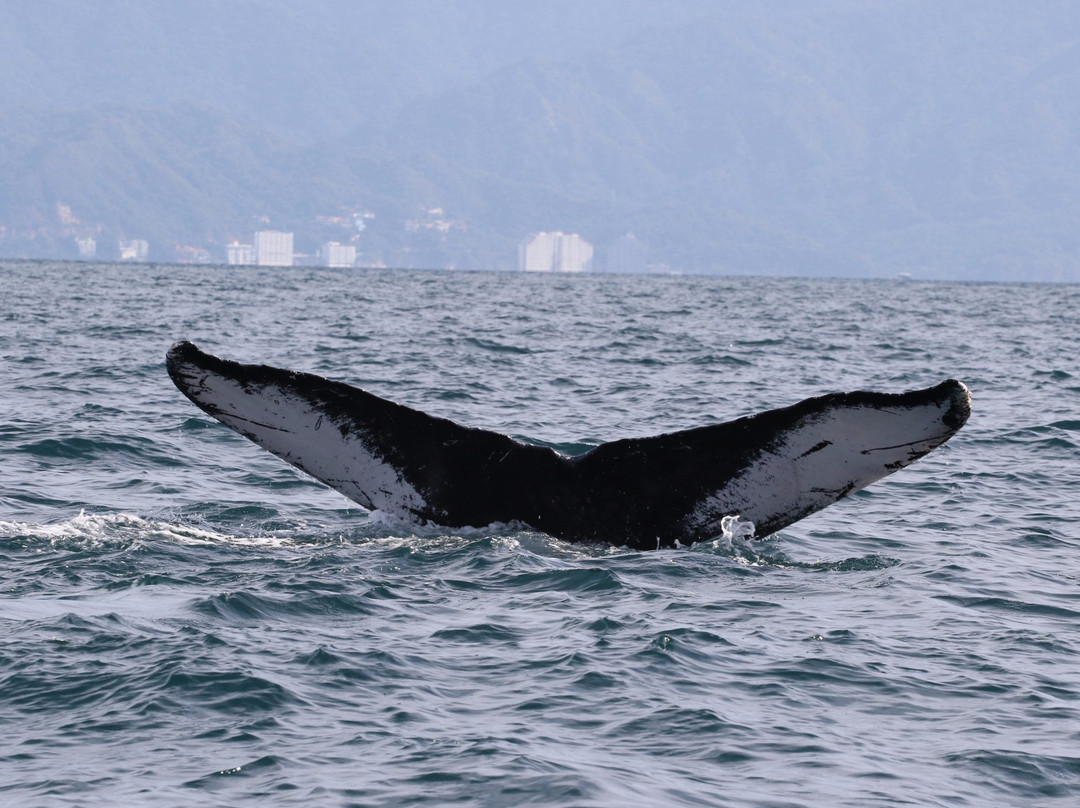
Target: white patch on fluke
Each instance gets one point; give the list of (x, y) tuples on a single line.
[(824, 457), (290, 427)]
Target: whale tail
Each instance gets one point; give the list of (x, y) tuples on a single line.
[(773, 468)]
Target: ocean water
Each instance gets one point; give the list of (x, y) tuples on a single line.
[(185, 620)]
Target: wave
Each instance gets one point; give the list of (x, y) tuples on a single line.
[(91, 531), (395, 537)]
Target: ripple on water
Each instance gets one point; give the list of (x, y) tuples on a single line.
[(186, 617)]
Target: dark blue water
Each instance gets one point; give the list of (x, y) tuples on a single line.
[(185, 620)]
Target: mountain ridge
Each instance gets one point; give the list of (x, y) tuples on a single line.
[(850, 138)]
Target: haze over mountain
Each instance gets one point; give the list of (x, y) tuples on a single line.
[(843, 137)]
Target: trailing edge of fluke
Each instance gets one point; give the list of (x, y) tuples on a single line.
[(772, 468)]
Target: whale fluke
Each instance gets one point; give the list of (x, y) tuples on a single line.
[(772, 468)]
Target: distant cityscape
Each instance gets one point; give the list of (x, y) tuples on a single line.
[(569, 252), (544, 251)]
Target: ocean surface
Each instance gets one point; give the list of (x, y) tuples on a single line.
[(187, 621)]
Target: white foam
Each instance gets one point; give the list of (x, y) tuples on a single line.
[(118, 529), (733, 528)]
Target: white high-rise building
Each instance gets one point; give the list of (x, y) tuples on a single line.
[(554, 252), (627, 254), (273, 248), (134, 249), (575, 254), (237, 254), (338, 255), (537, 252), (87, 247)]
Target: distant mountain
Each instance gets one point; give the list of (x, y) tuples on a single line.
[(867, 139), (850, 137)]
